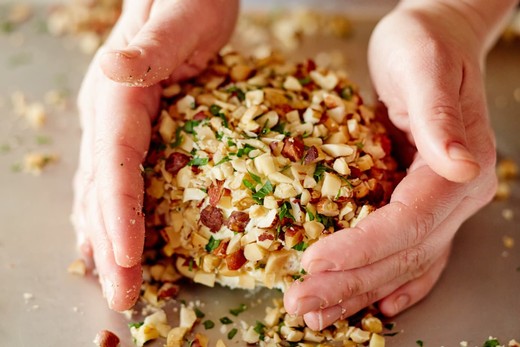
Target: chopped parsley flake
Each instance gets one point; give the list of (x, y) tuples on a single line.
[(302, 246), (43, 140), (263, 192), (232, 333), (225, 320), (197, 161), (260, 330), (136, 325), (491, 343), (326, 221), (256, 178), (190, 125), (208, 324), (199, 313), (304, 81), (237, 91), (419, 343), (178, 138), (245, 150), (238, 310), (319, 171), (223, 160), (347, 93), (285, 211), (212, 244)]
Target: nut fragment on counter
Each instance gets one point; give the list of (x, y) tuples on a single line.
[(35, 162), (106, 338), (77, 267)]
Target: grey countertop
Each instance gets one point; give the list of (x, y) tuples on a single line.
[(42, 305)]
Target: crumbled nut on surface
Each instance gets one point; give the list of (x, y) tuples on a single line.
[(106, 338), (89, 21), (77, 267), (508, 241), (503, 191), (35, 163), (507, 169)]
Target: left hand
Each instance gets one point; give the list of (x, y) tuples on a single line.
[(428, 73)]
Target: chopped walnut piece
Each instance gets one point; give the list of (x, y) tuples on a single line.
[(106, 338), (237, 221), (293, 148)]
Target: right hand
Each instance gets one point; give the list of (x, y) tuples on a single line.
[(119, 98)]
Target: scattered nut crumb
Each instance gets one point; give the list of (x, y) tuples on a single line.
[(503, 191), (77, 267), (507, 169), (35, 163), (508, 214), (508, 241), (106, 338), (27, 297)]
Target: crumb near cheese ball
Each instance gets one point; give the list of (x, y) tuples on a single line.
[(253, 161)]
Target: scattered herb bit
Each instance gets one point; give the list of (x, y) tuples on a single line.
[(190, 266), (223, 160), (419, 343), (43, 140), (208, 324), (193, 105), (190, 125), (311, 215), (225, 320), (22, 58), (389, 326), (5, 148), (232, 333), (178, 138), (238, 310), (391, 334), (304, 81), (302, 246), (347, 93), (212, 244), (263, 192), (230, 143), (197, 161), (16, 167), (245, 150), (285, 211), (491, 343), (360, 145), (237, 91), (260, 330), (6, 27), (318, 172), (249, 185), (215, 109), (199, 313), (256, 178), (326, 221), (280, 128), (136, 325)]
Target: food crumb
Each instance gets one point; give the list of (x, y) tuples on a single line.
[(35, 163), (106, 338), (508, 214), (463, 343), (28, 297), (508, 241), (77, 267)]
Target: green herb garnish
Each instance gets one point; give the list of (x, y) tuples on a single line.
[(263, 192), (197, 161), (491, 343), (136, 325), (178, 138), (212, 244), (232, 333), (245, 150), (208, 324), (225, 320), (237, 91), (304, 81), (260, 330), (302, 246), (319, 171), (199, 313), (238, 310), (419, 343), (43, 140), (190, 125), (256, 178), (223, 160), (249, 185), (285, 211), (347, 93), (326, 221)]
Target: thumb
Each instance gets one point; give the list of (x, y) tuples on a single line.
[(432, 96), (173, 34)]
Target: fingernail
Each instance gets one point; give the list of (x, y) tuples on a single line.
[(329, 316), (457, 151), (308, 303), (129, 52), (320, 265), (401, 303)]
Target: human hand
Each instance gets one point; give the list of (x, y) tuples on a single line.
[(152, 41), (426, 63)]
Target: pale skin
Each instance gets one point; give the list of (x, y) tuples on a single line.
[(428, 72)]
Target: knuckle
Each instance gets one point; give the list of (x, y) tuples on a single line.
[(413, 262)]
